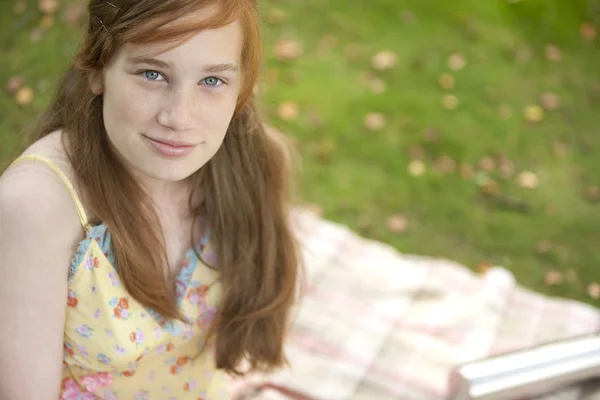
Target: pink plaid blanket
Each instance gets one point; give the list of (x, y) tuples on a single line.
[(375, 324)]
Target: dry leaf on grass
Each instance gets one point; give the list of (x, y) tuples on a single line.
[(287, 111), (506, 168), (543, 246), (352, 50), (445, 165), (384, 60), (377, 86), (571, 275), (327, 43), (397, 223), (36, 35), (276, 16), (533, 114), (48, 6), (374, 121), (466, 171), (592, 194), (20, 7), (416, 167), (487, 163), (528, 180), (14, 83), (552, 53), (446, 81), (47, 22), (553, 278), (450, 102), (288, 49), (588, 31), (550, 101), (593, 290), (456, 61), (73, 14), (24, 96)]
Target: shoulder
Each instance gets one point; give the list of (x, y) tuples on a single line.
[(31, 194)]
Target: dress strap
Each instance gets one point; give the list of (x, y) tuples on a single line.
[(80, 210)]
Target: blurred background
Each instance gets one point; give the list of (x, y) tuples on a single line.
[(465, 130)]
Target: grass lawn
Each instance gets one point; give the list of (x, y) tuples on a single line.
[(449, 168)]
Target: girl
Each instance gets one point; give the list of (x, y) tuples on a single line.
[(145, 246)]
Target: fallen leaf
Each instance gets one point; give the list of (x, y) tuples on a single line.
[(456, 61), (593, 290), (327, 44), (506, 168), (374, 121), (287, 111), (276, 16), (533, 114), (491, 187), (315, 209), (446, 81), (543, 246), (20, 7), (559, 148), (552, 53), (571, 275), (553, 278), (523, 55), (48, 6), (483, 267), (364, 221), (416, 152), (487, 164), (47, 21), (504, 112), (36, 35), (397, 223), (432, 135), (384, 60), (73, 14), (377, 86), (450, 102), (466, 171), (592, 194), (445, 165), (272, 75), (14, 83), (288, 49), (24, 96), (352, 50), (588, 31), (528, 180), (416, 167), (550, 101)]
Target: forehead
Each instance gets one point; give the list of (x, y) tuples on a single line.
[(222, 45)]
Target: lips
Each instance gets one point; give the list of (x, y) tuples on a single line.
[(171, 148)]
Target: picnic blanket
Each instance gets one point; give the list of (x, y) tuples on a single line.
[(375, 324)]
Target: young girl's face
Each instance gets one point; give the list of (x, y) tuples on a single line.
[(166, 112)]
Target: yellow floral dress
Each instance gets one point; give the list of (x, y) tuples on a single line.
[(114, 347)]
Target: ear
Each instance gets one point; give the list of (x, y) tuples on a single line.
[(96, 83)]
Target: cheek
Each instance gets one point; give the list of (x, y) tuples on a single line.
[(129, 107)]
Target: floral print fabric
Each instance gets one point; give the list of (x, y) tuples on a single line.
[(115, 348)]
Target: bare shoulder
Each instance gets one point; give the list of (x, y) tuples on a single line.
[(31, 192)]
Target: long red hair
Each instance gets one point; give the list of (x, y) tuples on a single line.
[(244, 189)]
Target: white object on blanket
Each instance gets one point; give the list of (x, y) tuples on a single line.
[(530, 372)]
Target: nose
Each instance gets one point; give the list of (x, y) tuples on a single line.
[(179, 110)]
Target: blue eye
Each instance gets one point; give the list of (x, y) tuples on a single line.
[(212, 81), (152, 75)]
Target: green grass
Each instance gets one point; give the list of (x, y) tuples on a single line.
[(360, 177)]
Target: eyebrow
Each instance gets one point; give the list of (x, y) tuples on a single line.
[(212, 68)]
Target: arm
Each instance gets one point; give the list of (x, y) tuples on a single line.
[(38, 231)]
